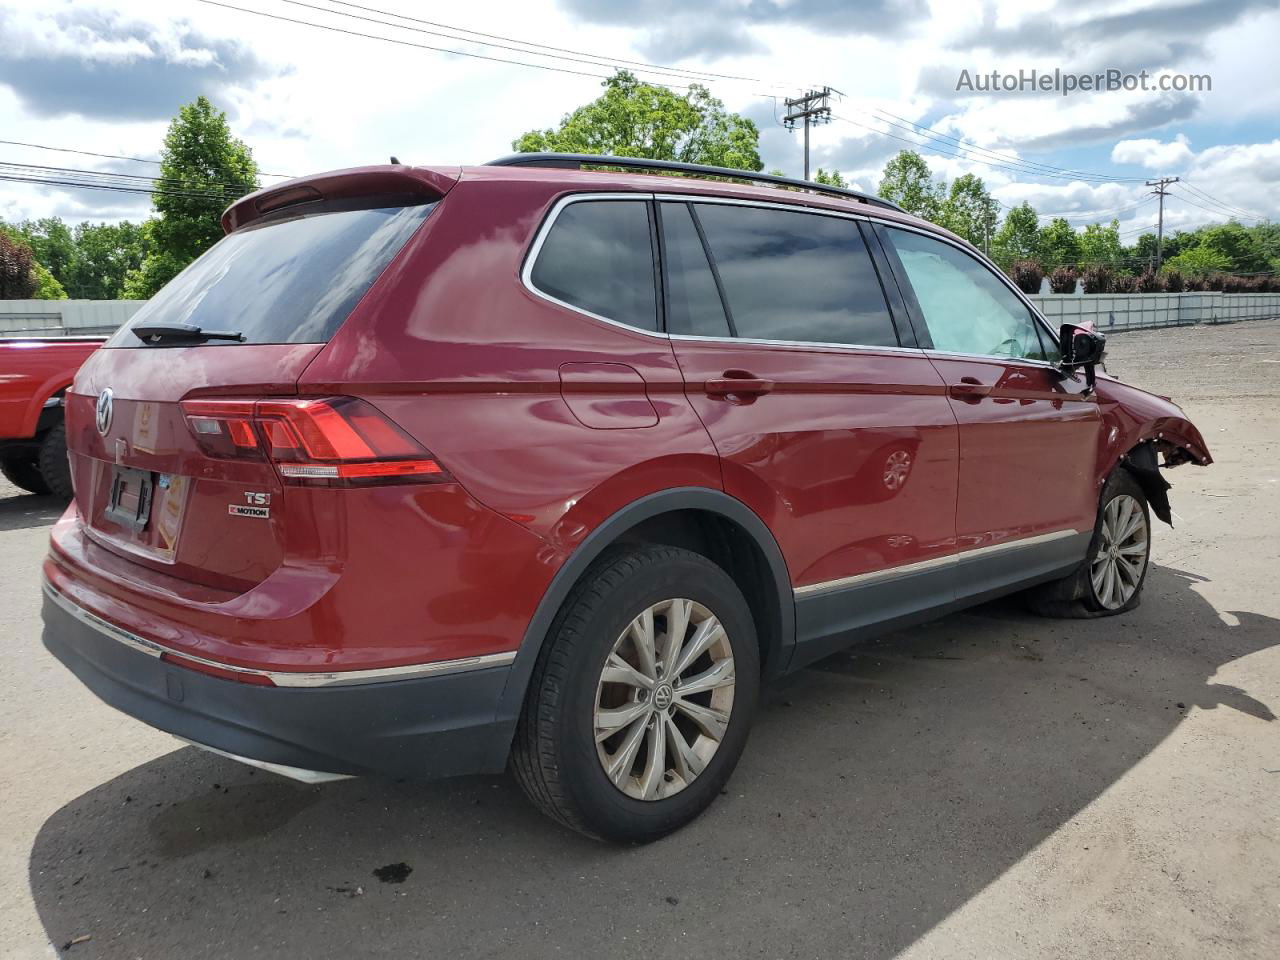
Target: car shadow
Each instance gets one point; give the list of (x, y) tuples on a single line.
[(881, 790), (25, 510)]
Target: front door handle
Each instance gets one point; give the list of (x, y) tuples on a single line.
[(970, 390), (737, 382)]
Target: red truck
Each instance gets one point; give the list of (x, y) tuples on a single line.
[(34, 375)]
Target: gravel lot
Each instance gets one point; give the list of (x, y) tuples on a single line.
[(990, 785)]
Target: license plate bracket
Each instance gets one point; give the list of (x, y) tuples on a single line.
[(130, 503)]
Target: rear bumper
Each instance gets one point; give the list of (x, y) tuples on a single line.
[(422, 728)]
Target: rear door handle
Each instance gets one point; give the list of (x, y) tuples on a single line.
[(970, 390), (737, 382)]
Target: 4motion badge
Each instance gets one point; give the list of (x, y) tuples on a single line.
[(255, 505)]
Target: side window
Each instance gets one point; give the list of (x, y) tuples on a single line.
[(796, 276), (599, 257), (693, 300), (965, 306)]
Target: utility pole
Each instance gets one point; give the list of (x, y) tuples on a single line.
[(1160, 192), (813, 107)]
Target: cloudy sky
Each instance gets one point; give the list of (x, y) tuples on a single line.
[(106, 78)]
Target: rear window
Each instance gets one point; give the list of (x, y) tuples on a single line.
[(291, 281)]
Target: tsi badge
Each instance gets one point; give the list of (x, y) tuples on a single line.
[(255, 505)]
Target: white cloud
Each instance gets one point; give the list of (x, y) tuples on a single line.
[(1153, 154)]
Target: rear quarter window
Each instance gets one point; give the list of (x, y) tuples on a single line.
[(290, 281), (598, 257)]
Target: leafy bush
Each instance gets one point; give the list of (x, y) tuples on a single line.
[(1148, 282), (1232, 284), (1174, 282), (1063, 280), (1026, 275), (1124, 283), (1194, 284), (1217, 281), (17, 278), (1098, 279)]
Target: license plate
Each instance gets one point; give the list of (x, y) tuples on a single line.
[(130, 504)]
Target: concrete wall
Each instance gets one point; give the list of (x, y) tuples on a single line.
[(64, 318), (1123, 311)]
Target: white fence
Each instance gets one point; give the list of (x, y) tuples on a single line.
[(1130, 311), (64, 318)]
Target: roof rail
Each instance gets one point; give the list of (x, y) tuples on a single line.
[(573, 161)]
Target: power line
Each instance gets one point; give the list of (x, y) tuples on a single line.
[(118, 188), (1006, 158), (111, 156), (608, 60), (1217, 213), (960, 156), (228, 191), (1225, 211), (419, 46), (1226, 206)]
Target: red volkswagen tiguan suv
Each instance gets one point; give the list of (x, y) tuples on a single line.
[(432, 471)]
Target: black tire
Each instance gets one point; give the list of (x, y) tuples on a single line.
[(554, 756), (1074, 596), (22, 470), (54, 468)]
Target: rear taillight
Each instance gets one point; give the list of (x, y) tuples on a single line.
[(334, 441)]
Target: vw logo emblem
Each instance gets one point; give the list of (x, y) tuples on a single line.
[(662, 697), (102, 411)]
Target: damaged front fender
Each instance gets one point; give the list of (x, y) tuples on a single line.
[(1143, 433)]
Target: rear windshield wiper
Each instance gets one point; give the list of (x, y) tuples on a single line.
[(155, 332)]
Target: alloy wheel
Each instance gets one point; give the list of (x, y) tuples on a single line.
[(664, 699), (1117, 568)]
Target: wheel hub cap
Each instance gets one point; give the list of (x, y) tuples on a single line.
[(1116, 569), (664, 699)]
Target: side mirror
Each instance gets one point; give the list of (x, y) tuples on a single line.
[(1081, 347)]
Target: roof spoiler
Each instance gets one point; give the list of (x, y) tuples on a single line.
[(355, 188), (575, 161)]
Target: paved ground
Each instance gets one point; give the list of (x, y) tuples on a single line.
[(991, 785)]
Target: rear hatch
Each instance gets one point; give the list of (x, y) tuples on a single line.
[(168, 424)]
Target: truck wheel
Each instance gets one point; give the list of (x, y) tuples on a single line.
[(1110, 579), (640, 703), (23, 471), (54, 468)]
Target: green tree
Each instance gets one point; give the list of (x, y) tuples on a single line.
[(105, 254), (51, 244), (832, 179), (1198, 261), (1017, 237), (1100, 245), (203, 168), (47, 285), (635, 119), (970, 211), (1242, 246), (1057, 245), (908, 182)]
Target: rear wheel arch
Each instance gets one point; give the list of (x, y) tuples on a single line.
[(700, 519)]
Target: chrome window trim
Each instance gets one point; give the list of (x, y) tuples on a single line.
[(797, 343), (281, 678), (978, 255), (950, 559)]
